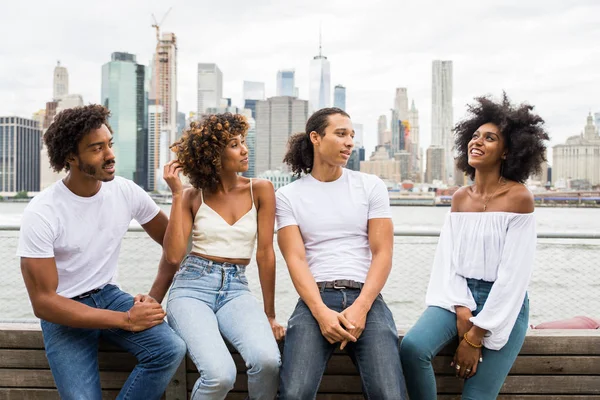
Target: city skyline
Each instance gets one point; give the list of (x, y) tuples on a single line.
[(559, 79)]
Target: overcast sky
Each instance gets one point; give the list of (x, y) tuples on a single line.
[(544, 52)]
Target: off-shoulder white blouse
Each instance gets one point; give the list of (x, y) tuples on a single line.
[(496, 247)]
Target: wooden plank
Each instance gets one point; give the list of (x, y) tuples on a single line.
[(24, 378), (43, 394), (36, 359)]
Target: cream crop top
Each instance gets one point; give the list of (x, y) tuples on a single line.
[(213, 236)]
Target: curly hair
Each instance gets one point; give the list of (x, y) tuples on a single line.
[(300, 154), (200, 147), (69, 127), (522, 130)]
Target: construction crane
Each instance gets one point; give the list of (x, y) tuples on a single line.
[(157, 25)]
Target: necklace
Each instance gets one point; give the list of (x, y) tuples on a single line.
[(501, 182)]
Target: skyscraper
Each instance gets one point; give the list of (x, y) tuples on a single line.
[(381, 128), (277, 118), (124, 93), (251, 145), (20, 149), (339, 97), (436, 166), (210, 87), (415, 146), (320, 81), (401, 103), (163, 95), (442, 120), (286, 82), (61, 82), (253, 92)]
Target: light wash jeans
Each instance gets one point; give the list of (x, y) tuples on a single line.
[(375, 353), (73, 353), (436, 328), (210, 299)]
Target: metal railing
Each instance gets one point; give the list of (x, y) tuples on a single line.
[(565, 283)]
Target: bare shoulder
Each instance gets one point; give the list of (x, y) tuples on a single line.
[(520, 199), (459, 197), (262, 186)]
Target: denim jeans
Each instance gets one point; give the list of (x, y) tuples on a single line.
[(436, 328), (73, 353), (210, 299), (306, 352)]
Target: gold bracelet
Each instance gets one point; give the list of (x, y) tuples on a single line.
[(471, 344)]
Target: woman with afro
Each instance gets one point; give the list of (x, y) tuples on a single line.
[(225, 214), (478, 287)]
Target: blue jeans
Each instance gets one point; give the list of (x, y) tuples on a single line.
[(210, 299), (306, 352), (436, 328), (73, 353)]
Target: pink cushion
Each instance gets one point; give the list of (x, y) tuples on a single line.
[(578, 322)]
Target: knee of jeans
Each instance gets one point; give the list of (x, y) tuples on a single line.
[(265, 364), (173, 350), (412, 348), (220, 378), (294, 390)]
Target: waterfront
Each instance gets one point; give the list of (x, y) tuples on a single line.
[(565, 281)]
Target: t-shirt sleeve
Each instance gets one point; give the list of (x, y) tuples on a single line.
[(283, 211), (36, 236), (144, 208), (379, 201)]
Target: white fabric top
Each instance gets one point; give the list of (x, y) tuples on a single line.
[(333, 219), (496, 247), (213, 236), (83, 234)]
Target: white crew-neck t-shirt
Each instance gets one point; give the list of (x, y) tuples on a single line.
[(83, 234), (333, 219)]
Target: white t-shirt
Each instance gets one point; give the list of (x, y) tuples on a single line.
[(83, 234), (333, 219)]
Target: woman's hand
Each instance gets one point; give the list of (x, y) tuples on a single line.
[(463, 325), (171, 176), (278, 330)]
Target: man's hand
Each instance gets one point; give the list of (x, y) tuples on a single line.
[(278, 330), (357, 316), (144, 315), (330, 323)]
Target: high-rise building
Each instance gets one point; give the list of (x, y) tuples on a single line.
[(320, 81), (20, 149), (69, 101), (436, 164), (415, 146), (579, 157), (251, 145), (382, 165), (277, 118), (210, 87), (442, 119), (395, 123), (61, 82), (339, 97), (358, 135), (124, 93), (597, 120), (286, 82), (401, 103), (381, 128), (163, 95)]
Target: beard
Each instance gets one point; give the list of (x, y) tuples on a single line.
[(92, 170)]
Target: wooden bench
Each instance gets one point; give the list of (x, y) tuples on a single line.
[(553, 365)]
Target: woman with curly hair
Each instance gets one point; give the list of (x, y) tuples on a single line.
[(482, 267), (224, 213)]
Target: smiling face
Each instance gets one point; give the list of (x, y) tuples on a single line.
[(486, 148), (335, 147), (235, 155), (95, 157)]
